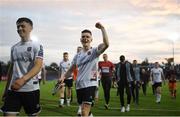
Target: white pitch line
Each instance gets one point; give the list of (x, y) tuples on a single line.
[(145, 109), (115, 108)]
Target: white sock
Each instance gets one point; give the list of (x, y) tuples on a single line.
[(61, 101), (68, 100), (158, 97), (91, 115), (79, 109)]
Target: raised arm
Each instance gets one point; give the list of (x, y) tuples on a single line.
[(103, 46)]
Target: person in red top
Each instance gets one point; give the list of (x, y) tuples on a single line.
[(172, 82), (106, 69), (75, 68)]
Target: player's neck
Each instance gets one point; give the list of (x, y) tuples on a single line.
[(123, 62), (25, 39), (65, 60), (85, 49)]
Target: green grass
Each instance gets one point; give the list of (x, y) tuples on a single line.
[(147, 106)]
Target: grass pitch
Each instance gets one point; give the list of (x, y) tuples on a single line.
[(147, 105)]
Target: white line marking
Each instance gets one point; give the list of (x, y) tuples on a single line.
[(115, 108)]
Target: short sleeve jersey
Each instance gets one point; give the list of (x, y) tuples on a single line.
[(157, 74), (64, 66), (87, 63), (23, 55), (106, 68)]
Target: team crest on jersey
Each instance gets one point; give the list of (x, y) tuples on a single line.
[(40, 53), (89, 53), (29, 49)]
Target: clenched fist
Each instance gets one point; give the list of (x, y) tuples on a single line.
[(99, 25)]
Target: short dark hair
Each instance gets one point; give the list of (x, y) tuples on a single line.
[(86, 31), (79, 47), (122, 56), (65, 53), (134, 60), (25, 19)]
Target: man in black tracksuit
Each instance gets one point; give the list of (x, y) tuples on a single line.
[(125, 76)]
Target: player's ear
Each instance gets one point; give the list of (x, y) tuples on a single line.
[(31, 28)]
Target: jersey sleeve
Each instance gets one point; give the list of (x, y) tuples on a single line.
[(39, 53), (95, 53)]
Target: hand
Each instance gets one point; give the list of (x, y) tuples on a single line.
[(18, 84), (99, 25), (61, 80)]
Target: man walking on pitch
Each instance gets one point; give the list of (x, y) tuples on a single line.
[(136, 85), (125, 76), (156, 77), (106, 72), (22, 87), (171, 76), (63, 67), (87, 60)]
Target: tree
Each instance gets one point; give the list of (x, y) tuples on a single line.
[(169, 60), (145, 62)]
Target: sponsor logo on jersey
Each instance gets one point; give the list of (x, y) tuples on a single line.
[(89, 53), (29, 49)]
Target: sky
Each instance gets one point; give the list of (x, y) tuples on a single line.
[(138, 29)]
